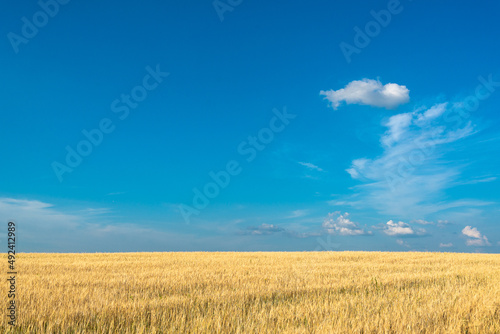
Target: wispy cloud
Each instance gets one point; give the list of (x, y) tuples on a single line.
[(480, 180), (442, 222), (398, 127), (368, 92), (46, 227), (311, 166), (265, 229), (422, 222), (474, 237), (116, 193), (410, 175), (268, 229), (298, 214), (37, 214), (442, 245), (22, 204), (95, 211)]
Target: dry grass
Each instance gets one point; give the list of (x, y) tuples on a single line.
[(323, 292)]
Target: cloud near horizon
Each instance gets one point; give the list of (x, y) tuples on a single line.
[(264, 229), (269, 229), (369, 92), (474, 237), (340, 224), (45, 227), (401, 229)]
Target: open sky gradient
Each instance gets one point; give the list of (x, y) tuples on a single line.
[(250, 125)]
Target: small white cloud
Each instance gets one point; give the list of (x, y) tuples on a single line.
[(311, 166), (368, 92), (339, 224), (474, 237), (445, 245), (471, 232), (401, 229)]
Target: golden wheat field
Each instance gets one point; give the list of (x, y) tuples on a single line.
[(314, 292)]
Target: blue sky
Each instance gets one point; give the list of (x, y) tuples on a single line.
[(251, 125)]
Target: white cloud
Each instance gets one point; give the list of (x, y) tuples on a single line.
[(445, 245), (471, 232), (368, 92), (339, 224), (399, 228), (474, 237)]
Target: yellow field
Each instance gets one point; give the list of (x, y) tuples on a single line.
[(319, 292)]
